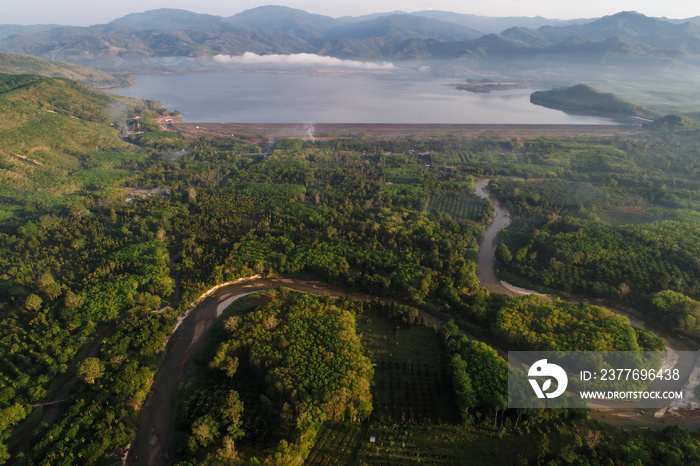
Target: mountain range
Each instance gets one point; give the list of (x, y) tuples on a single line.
[(162, 33)]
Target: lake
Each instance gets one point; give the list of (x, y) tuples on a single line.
[(356, 98)]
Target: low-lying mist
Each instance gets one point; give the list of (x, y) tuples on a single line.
[(298, 60)]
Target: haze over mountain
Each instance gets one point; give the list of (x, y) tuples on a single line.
[(393, 36), (488, 24), (7, 30)]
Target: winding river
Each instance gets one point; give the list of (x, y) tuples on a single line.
[(486, 265), (152, 445), (487, 273)]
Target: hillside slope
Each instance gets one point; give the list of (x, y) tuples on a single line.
[(58, 140), (12, 63)]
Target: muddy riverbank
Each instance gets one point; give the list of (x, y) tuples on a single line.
[(486, 265)]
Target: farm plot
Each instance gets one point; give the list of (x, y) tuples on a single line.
[(338, 443), (565, 194), (411, 381), (403, 444), (461, 207)]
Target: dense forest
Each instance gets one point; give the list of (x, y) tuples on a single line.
[(112, 227), (623, 240), (534, 323), (306, 359)]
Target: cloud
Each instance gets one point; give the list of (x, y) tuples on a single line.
[(300, 59)]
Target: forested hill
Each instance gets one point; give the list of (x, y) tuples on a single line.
[(674, 123), (584, 99), (60, 142), (13, 63)]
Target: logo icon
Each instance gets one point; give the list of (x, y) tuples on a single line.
[(544, 369)]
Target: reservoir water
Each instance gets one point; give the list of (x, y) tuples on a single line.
[(350, 98)]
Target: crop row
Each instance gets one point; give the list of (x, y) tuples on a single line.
[(459, 207), (564, 193), (336, 444)]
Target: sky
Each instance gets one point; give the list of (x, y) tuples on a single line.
[(87, 12)]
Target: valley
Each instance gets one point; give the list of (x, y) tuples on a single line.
[(287, 238)]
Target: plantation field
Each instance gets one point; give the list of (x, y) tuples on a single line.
[(492, 158), (461, 207), (403, 444), (411, 387), (338, 443), (626, 216), (611, 205), (411, 381), (60, 145), (410, 391), (566, 194), (404, 174), (630, 215)]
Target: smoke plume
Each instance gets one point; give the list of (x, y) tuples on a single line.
[(117, 113), (309, 127)]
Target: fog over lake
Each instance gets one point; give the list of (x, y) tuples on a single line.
[(355, 98)]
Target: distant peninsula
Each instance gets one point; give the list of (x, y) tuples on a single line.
[(484, 86), (582, 98)]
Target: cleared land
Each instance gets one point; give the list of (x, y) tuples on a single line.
[(335, 130)]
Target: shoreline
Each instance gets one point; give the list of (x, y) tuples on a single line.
[(339, 130)]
